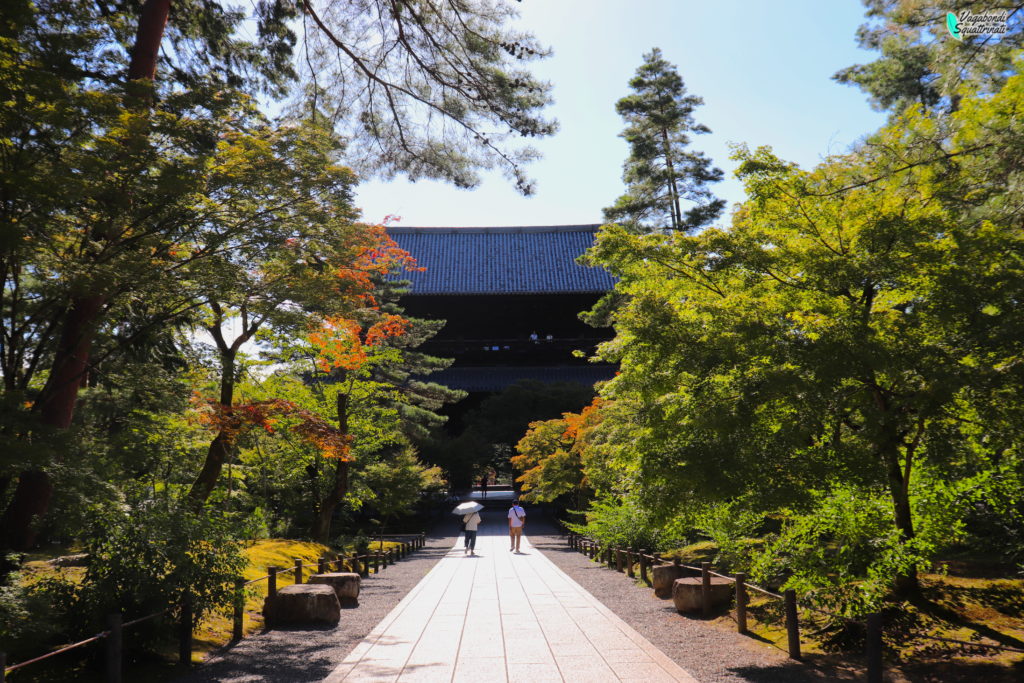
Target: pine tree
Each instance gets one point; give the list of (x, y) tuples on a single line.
[(661, 172)]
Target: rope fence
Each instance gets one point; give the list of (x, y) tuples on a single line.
[(362, 564), (623, 559)]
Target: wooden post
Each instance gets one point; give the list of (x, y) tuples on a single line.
[(185, 630), (618, 559), (114, 640), (741, 602), (236, 622), (298, 570), (643, 565), (792, 626), (874, 647), (705, 589), (376, 559), (629, 565), (271, 581), (321, 565), (3, 666)]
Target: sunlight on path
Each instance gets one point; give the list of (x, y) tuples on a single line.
[(501, 616)]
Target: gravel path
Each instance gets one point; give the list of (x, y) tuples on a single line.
[(709, 652)]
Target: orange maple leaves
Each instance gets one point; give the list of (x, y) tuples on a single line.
[(379, 256), (235, 420), (342, 343)]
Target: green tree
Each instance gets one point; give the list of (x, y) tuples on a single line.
[(661, 171), (920, 63), (849, 329), (133, 178)]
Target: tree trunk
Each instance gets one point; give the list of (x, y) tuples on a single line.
[(152, 23), (321, 530), (222, 445), (906, 583), (31, 499), (677, 216)]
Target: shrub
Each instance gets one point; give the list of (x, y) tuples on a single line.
[(141, 561)]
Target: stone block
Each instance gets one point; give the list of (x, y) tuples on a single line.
[(662, 577), (304, 603), (345, 585), (686, 593)]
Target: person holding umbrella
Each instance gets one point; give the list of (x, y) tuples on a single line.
[(470, 511)]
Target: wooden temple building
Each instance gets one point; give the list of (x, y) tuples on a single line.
[(511, 297)]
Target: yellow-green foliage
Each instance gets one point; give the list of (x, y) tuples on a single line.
[(215, 631)]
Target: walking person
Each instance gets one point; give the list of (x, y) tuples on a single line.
[(483, 485), (472, 522), (516, 523)]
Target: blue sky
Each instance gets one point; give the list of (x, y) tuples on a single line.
[(762, 68)]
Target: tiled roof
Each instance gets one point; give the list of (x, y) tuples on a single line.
[(515, 260), (497, 378)]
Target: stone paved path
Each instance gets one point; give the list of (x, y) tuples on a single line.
[(499, 616)]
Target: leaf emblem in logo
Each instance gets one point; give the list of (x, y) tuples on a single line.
[(953, 24)]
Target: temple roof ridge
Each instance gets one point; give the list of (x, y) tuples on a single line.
[(532, 259), (494, 229)]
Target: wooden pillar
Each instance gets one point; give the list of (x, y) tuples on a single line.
[(271, 581), (629, 565), (321, 565), (792, 626), (705, 589), (185, 630), (741, 602), (114, 642), (3, 667), (874, 647), (643, 565), (298, 570), (239, 611)]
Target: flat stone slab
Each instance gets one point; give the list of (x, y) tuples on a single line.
[(662, 577), (304, 603), (345, 585), (686, 593)]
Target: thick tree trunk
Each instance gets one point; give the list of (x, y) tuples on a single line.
[(146, 50), (56, 406), (31, 499), (321, 530)]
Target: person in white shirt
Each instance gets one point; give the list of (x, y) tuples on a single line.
[(472, 521), (516, 523)]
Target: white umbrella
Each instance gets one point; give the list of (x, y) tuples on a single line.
[(468, 507)]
